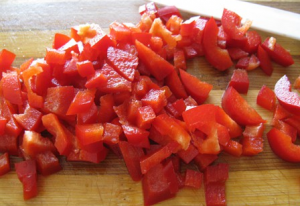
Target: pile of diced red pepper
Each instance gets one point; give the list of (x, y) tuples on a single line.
[(128, 92)]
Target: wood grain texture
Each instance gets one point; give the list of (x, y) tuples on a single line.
[(27, 27)]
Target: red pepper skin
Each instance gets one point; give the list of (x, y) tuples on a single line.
[(279, 54), (282, 146), (33, 144), (47, 163), (59, 99), (288, 99), (175, 84), (266, 98), (217, 57), (4, 164), (193, 179), (26, 171), (156, 186), (214, 181), (239, 109), (265, 61), (231, 23), (158, 66), (63, 141), (253, 42), (123, 62), (132, 155), (240, 81), (168, 126), (60, 40), (6, 60), (151, 160), (166, 12), (198, 89), (253, 140), (11, 87), (30, 119), (136, 136), (82, 102)]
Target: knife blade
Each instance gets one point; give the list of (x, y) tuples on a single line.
[(263, 18)]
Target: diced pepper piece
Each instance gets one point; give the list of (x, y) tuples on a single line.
[(132, 155), (266, 98), (158, 67), (198, 89), (279, 54), (4, 164), (193, 179), (167, 126), (240, 81), (26, 171), (123, 62), (47, 163), (216, 56), (239, 109), (33, 144)]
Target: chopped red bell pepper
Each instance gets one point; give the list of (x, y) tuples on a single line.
[(136, 136), (240, 81), (31, 119), (217, 57), (59, 99), (145, 117), (189, 154), (123, 62), (119, 32), (253, 139), (239, 109), (282, 145), (266, 98), (288, 99), (265, 61), (89, 133), (63, 142), (6, 60), (193, 179), (279, 54), (47, 163), (115, 82), (237, 53), (179, 60), (198, 89), (85, 68), (132, 156), (26, 171), (82, 102), (231, 23), (166, 12), (156, 99), (175, 84), (60, 40), (168, 126), (33, 143), (11, 87), (253, 42), (214, 181), (156, 186), (204, 160), (157, 66), (4, 164), (151, 160)]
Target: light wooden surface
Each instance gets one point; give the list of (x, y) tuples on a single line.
[(27, 27)]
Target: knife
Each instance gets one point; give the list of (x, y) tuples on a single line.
[(263, 18)]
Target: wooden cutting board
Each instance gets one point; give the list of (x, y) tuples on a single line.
[(27, 27)]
